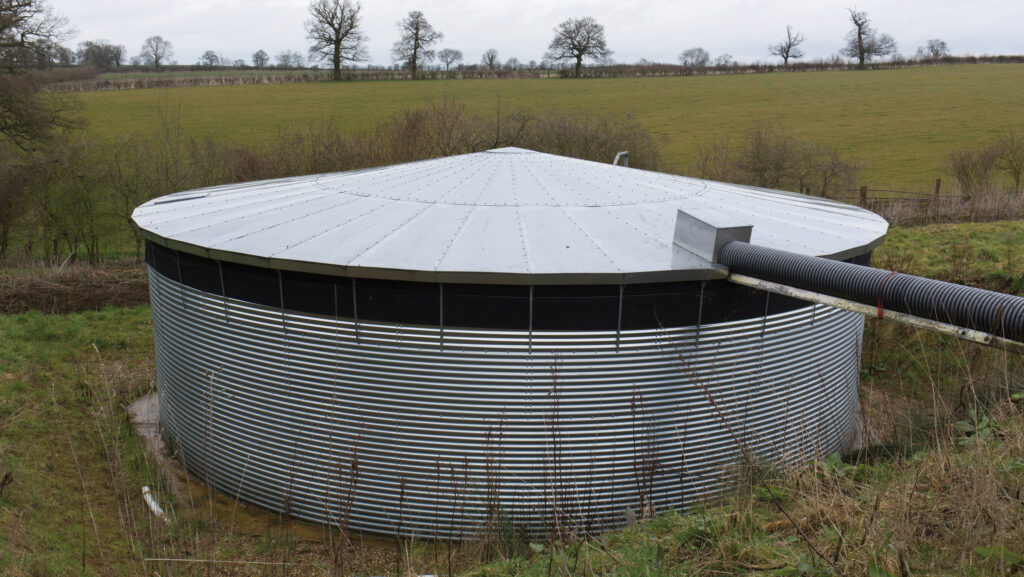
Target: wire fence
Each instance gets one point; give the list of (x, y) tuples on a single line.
[(915, 207)]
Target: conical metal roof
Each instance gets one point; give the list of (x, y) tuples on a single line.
[(502, 216)]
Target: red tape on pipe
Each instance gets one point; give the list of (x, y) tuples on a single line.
[(881, 291)]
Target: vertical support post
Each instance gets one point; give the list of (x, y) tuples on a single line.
[(938, 185), (355, 310), (181, 285), (700, 307), (224, 294), (618, 328), (280, 287), (529, 342), (764, 318), (284, 325), (863, 196)]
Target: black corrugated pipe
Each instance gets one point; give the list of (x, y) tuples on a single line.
[(968, 307)]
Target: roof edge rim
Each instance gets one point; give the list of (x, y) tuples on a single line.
[(470, 277)]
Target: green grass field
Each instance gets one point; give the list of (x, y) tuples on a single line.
[(898, 125)]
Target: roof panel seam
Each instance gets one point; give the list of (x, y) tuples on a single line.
[(333, 227)]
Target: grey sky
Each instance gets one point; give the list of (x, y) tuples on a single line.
[(654, 29)]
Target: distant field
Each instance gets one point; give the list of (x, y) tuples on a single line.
[(899, 125)]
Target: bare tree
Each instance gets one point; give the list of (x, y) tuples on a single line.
[(335, 34), (513, 64), (156, 51), (935, 50), (974, 170), (695, 57), (413, 49), (724, 61), (209, 59), (449, 56), (863, 42), (62, 56), (289, 59), (788, 47), (15, 181), (576, 39), (118, 54), (30, 31), (260, 59), (100, 53), (1009, 158), (490, 59), (30, 36)]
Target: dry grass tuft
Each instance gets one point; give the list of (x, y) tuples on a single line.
[(985, 206), (929, 510)]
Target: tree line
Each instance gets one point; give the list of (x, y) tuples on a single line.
[(334, 28), (337, 40)]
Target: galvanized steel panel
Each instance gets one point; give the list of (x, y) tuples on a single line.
[(270, 405), (617, 222)]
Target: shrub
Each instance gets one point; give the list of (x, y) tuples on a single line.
[(996, 165), (972, 169), (769, 158)]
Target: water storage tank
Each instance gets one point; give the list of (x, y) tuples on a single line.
[(501, 337)]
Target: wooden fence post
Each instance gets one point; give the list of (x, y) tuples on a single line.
[(938, 185), (863, 196)]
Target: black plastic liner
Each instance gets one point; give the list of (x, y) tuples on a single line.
[(554, 308), (973, 308)]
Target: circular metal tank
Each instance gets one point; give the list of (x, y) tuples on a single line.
[(505, 339)]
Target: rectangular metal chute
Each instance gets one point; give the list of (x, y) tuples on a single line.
[(705, 233)]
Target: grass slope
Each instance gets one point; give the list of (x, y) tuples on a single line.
[(62, 383), (900, 125)]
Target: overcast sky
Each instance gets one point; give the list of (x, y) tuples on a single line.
[(653, 29)]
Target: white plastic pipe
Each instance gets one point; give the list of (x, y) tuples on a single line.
[(150, 500)]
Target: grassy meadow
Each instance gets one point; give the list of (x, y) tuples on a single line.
[(899, 125)]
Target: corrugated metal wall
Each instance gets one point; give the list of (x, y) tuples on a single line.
[(567, 429)]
